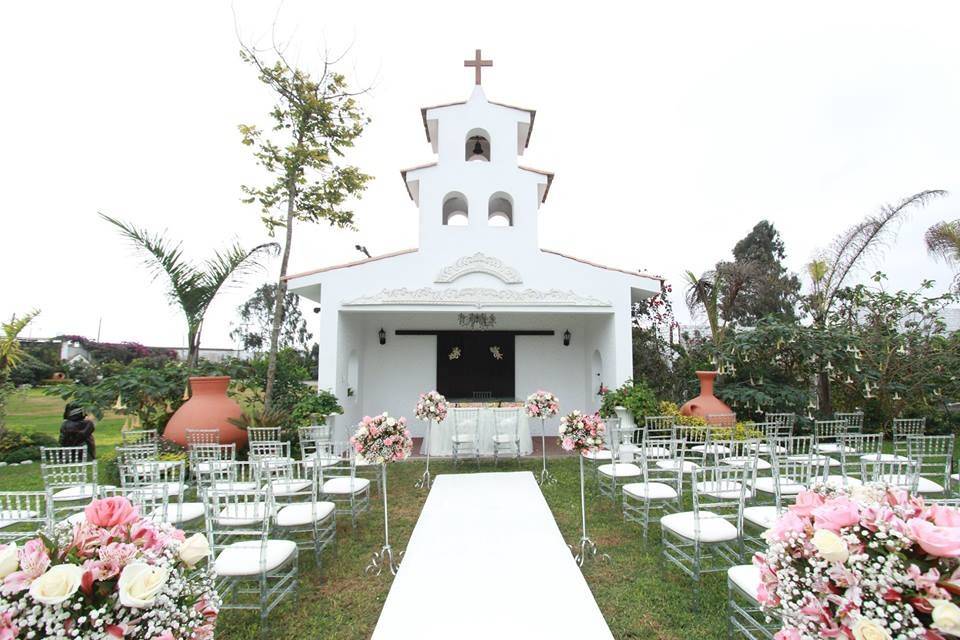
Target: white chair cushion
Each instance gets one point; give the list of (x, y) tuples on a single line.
[(764, 517), (713, 528), (303, 513), (184, 512), (504, 438), (763, 448), (79, 492), (740, 461), (214, 465), (76, 518), (685, 466), (841, 481), (722, 490), (159, 488), (712, 448), (924, 485), (746, 577), (620, 470), (224, 486), (345, 486), (243, 558), (818, 461), (657, 452), (884, 457), (10, 517), (323, 461), (242, 514), (649, 491), (288, 487), (463, 438), (787, 486), (154, 464), (598, 454), (832, 447)]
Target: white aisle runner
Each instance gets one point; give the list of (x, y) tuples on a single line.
[(487, 561)]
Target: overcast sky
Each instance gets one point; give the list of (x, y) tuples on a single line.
[(672, 128)]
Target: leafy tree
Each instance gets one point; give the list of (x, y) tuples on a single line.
[(314, 122), (829, 271), (943, 241), (11, 351), (256, 321), (191, 287), (764, 285)]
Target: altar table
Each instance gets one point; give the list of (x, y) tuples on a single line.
[(441, 443), (487, 560)]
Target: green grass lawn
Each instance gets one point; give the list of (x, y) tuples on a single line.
[(639, 595)]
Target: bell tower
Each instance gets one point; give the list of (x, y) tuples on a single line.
[(476, 197)]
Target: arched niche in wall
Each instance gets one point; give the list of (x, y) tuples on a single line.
[(456, 211), (477, 146), (353, 375), (500, 210)]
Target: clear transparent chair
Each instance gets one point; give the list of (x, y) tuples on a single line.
[(782, 419), (228, 475), (659, 490), (772, 430), (722, 419), (69, 487), (826, 435), (202, 436), (263, 434), (465, 438), (162, 485), (312, 439), (139, 436), (254, 570), (854, 420), (709, 537), (854, 446), (697, 440), (204, 457), (23, 513), (63, 455), (270, 452), (746, 618), (934, 457), (745, 452), (790, 476), (301, 508), (901, 473), (655, 430), (621, 466), (341, 485), (903, 428), (603, 455), (506, 434)]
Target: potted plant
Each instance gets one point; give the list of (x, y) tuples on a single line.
[(631, 401)]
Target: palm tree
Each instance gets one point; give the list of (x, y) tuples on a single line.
[(703, 293), (830, 269), (192, 287), (943, 241), (11, 353)]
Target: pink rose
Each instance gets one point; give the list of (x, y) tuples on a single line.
[(567, 444), (943, 516), (836, 514), (789, 523), (806, 502), (8, 630), (111, 512), (34, 561), (943, 542), (787, 633)]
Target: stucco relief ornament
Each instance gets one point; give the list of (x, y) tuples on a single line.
[(497, 353), (479, 263), (454, 353), (479, 297)]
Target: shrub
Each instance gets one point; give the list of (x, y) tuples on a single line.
[(637, 398), (314, 408), (17, 447), (30, 370)]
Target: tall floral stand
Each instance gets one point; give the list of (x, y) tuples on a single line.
[(545, 476), (587, 549), (383, 559), (424, 481)]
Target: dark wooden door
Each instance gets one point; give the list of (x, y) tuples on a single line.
[(477, 369)]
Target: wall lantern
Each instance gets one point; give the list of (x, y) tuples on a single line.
[(383, 336), (566, 338)]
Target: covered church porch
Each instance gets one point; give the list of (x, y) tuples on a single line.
[(477, 357)]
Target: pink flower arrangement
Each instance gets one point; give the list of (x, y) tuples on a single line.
[(863, 563), (542, 404), (432, 406), (382, 439), (71, 582), (581, 432)]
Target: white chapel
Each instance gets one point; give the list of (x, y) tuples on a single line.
[(478, 311)]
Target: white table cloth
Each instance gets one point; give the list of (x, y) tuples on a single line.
[(441, 443), (486, 560)]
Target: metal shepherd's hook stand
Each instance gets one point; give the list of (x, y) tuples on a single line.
[(424, 481), (587, 548), (384, 558), (545, 476)]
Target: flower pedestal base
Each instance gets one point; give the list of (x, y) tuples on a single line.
[(424, 481), (384, 559), (587, 549), (545, 476)]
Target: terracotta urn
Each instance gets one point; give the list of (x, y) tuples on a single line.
[(208, 408), (706, 403)]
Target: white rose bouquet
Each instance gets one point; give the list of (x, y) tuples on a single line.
[(382, 439), (581, 432), (115, 575), (867, 563), (431, 406)]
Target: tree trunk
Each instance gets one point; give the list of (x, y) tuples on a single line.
[(823, 394), (193, 346), (278, 303)]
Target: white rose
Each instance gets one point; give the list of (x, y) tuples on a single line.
[(830, 546), (9, 560), (867, 629), (194, 549), (946, 617), (57, 584), (140, 583)]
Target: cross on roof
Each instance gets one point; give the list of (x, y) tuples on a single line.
[(477, 63)]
